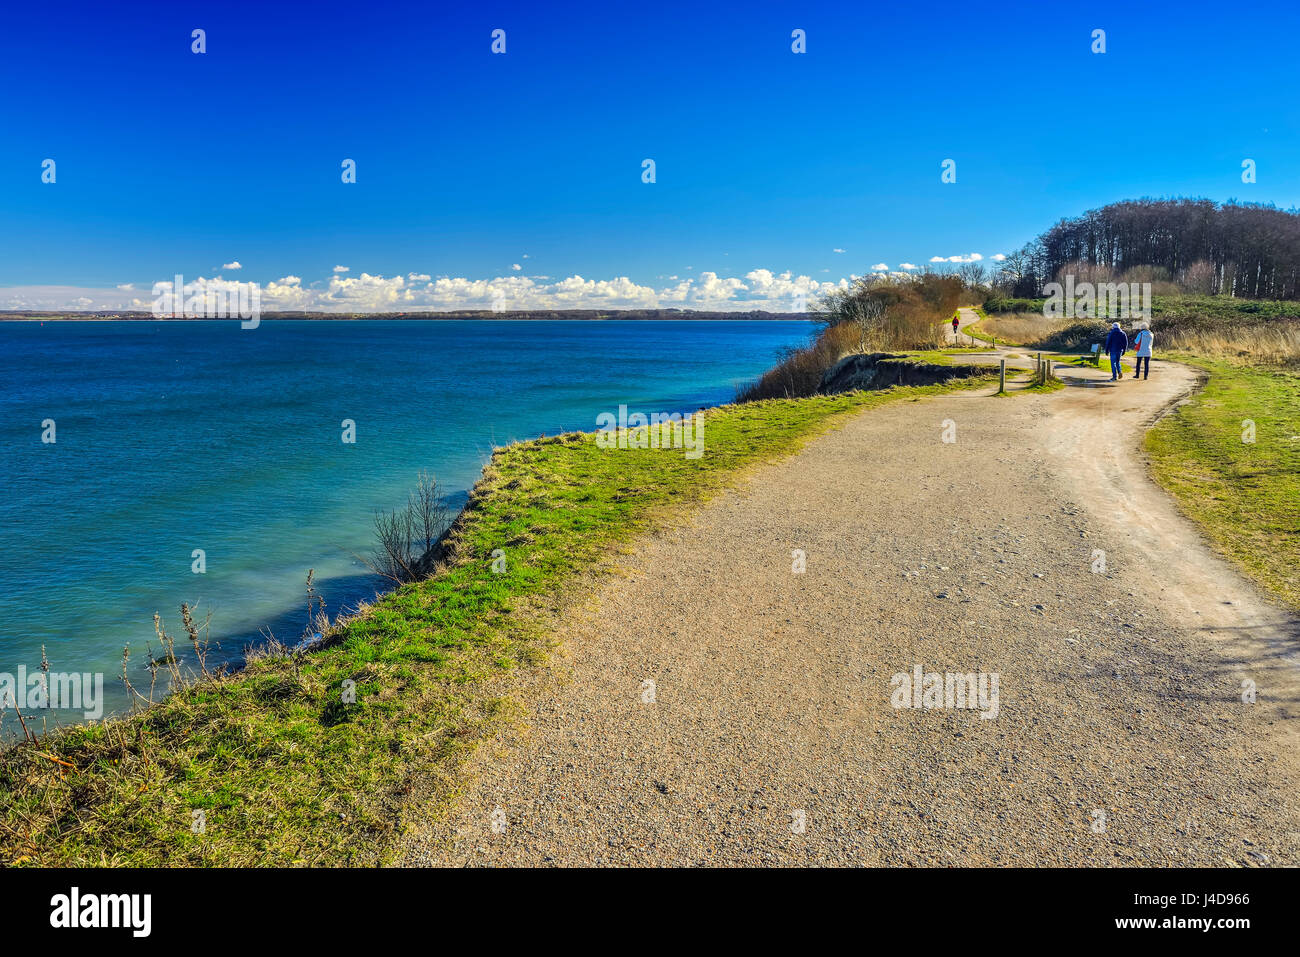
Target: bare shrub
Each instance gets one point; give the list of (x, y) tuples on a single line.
[(1198, 278), (894, 313), (168, 663), (407, 538), (875, 314), (1083, 271), (800, 371)]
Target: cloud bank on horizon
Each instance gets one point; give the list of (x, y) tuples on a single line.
[(758, 289)]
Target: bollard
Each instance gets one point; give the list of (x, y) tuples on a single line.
[(1002, 376)]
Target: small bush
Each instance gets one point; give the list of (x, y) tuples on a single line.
[(999, 305), (408, 537)]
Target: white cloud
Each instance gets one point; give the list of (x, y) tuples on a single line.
[(342, 269), (69, 298), (364, 293), (998, 257), (516, 267), (287, 294), (907, 266), (762, 289), (162, 293), (783, 288), (837, 250), (233, 265), (127, 286), (880, 267)]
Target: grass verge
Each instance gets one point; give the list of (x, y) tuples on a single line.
[(941, 357), (287, 773), (1244, 494)]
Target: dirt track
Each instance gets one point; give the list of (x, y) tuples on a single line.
[(1120, 690)]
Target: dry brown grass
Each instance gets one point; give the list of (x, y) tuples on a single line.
[(874, 315), (1273, 343), (1022, 328), (800, 371)]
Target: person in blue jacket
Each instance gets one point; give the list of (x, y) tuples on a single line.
[(1116, 346)]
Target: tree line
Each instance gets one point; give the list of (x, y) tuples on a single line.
[(1233, 249)]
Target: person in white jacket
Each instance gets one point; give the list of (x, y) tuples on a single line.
[(1142, 350)]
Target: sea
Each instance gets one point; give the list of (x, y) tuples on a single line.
[(149, 463)]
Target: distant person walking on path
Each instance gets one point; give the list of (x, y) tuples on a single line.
[(955, 322), (1116, 346), (1142, 349)]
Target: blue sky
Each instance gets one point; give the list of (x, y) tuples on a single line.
[(470, 164)]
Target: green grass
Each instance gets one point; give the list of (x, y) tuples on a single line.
[(1221, 309), (1245, 496), (932, 356), (942, 357), (1085, 361), (286, 773), (1051, 385), (1185, 309), (975, 332), (1004, 304)]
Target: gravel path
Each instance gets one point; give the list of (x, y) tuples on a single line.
[(1120, 736)]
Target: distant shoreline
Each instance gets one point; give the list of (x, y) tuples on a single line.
[(540, 315)]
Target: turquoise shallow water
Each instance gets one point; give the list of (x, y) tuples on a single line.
[(201, 435)]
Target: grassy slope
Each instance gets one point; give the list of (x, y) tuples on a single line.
[(1245, 496), (288, 774)]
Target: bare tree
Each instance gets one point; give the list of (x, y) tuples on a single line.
[(1250, 250), (407, 538), (866, 313), (973, 275)]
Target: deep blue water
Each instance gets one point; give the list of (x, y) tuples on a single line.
[(172, 437)]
